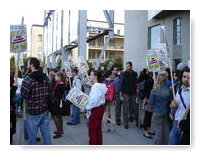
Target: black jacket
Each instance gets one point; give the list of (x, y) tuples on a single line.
[(129, 82)]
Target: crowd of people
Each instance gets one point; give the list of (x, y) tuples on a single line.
[(38, 94)]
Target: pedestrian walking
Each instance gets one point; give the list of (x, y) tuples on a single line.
[(160, 99), (57, 95), (35, 90), (95, 108), (128, 90), (146, 85), (182, 101), (75, 110), (115, 78)]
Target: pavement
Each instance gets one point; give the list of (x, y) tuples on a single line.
[(78, 134)]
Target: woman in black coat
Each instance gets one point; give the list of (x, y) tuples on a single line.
[(57, 94)]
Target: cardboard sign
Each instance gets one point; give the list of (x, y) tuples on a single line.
[(81, 64), (18, 38), (78, 98)]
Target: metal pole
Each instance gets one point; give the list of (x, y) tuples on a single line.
[(82, 30), (61, 44), (18, 55)]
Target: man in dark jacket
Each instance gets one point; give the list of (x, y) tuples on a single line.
[(35, 90), (128, 90)]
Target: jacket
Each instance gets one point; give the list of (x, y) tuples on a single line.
[(128, 83), (36, 90), (96, 96), (160, 100)]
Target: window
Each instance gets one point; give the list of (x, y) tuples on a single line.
[(91, 55), (99, 42), (118, 31), (112, 42), (177, 32), (40, 38), (110, 56), (153, 36)]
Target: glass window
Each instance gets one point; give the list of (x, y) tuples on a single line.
[(177, 31), (153, 36), (40, 38), (91, 55)]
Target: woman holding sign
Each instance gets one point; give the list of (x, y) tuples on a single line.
[(96, 108)]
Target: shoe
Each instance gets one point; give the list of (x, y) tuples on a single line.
[(37, 139), (70, 123), (151, 132), (60, 132), (130, 118), (126, 127), (118, 123), (58, 135), (147, 136)]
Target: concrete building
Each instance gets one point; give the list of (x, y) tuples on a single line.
[(36, 42), (143, 31), (114, 49)]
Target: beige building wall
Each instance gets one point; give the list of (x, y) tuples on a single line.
[(36, 41)]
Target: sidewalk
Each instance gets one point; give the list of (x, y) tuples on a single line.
[(78, 135)]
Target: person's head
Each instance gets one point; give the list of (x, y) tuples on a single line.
[(129, 66), (114, 70), (74, 72), (19, 74), (33, 64), (186, 77), (168, 73), (108, 74), (161, 79), (176, 75), (60, 76), (96, 76)]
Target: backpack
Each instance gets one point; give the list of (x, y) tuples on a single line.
[(110, 92)]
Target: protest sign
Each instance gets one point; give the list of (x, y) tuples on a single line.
[(78, 98), (152, 62), (18, 38)]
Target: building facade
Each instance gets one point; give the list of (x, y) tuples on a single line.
[(36, 42), (143, 30)]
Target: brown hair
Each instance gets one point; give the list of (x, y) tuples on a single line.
[(62, 76)]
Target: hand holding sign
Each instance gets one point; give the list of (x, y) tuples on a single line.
[(78, 98)]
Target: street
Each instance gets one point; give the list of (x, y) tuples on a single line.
[(78, 135)]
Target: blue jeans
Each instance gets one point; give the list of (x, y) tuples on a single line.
[(25, 130), (34, 122), (76, 114), (175, 134)]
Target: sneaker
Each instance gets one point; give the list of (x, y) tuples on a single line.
[(126, 127), (37, 139), (58, 135), (56, 132), (147, 136)]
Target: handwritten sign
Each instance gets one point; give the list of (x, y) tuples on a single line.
[(18, 38), (78, 98)]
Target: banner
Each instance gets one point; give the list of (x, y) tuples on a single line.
[(18, 38), (78, 98)]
